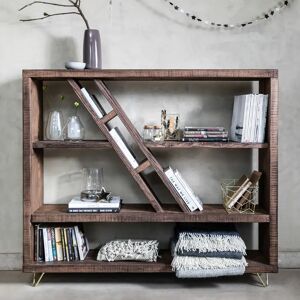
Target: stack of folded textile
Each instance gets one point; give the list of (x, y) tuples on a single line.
[(208, 253)]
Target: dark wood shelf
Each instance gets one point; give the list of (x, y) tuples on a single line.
[(86, 144), (159, 74), (186, 145), (256, 263), (131, 213), (104, 144)]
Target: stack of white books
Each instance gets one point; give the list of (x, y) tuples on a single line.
[(184, 190), (76, 205), (249, 118)]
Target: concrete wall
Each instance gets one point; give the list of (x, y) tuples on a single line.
[(148, 34)]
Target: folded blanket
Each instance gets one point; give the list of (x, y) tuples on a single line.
[(141, 250), (196, 263), (208, 273), (210, 244), (224, 254)]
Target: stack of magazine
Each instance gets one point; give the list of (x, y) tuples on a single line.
[(184, 190), (249, 118), (204, 134), (76, 205)]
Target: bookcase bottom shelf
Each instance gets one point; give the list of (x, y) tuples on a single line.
[(256, 264)]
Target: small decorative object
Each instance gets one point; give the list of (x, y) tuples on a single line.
[(241, 195), (170, 124), (75, 65), (148, 132), (93, 189), (214, 24), (158, 135), (74, 127), (55, 126), (91, 43), (140, 250)]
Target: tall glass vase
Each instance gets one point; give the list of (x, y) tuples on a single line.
[(92, 49), (55, 126)]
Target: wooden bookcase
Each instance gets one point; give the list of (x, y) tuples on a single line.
[(264, 260)]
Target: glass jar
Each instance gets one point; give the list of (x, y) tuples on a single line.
[(148, 132), (92, 189), (158, 135), (74, 129), (55, 126)]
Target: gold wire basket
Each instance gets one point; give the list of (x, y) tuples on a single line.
[(245, 204)]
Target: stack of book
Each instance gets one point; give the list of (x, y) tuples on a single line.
[(76, 205), (60, 244), (184, 190), (204, 134), (240, 193), (249, 118)]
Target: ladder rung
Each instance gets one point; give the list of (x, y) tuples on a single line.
[(143, 166), (108, 117)]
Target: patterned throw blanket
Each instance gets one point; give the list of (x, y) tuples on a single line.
[(201, 254), (141, 250)]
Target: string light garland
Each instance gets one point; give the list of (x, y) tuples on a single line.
[(264, 16)]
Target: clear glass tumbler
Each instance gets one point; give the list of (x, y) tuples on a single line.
[(92, 184)]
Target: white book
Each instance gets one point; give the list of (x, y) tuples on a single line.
[(77, 203), (189, 190), (50, 251), (246, 117), (90, 100), (82, 243), (181, 191), (262, 127), (45, 238), (256, 121), (116, 136), (252, 118)]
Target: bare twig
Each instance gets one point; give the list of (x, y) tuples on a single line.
[(49, 15), (75, 4), (48, 3)]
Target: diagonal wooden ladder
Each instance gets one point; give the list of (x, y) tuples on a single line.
[(150, 159)]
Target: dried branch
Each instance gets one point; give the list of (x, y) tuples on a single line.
[(48, 3), (74, 4), (46, 15)]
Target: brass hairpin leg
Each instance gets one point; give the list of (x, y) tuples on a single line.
[(264, 283), (35, 282)]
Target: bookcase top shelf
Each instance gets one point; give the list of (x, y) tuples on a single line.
[(103, 144), (159, 74), (131, 213)]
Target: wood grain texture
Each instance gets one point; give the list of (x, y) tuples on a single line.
[(160, 74), (139, 141), (131, 213), (187, 145), (32, 160), (137, 177), (256, 263), (268, 163), (108, 117), (104, 144)]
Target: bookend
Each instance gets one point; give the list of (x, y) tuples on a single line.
[(150, 160)]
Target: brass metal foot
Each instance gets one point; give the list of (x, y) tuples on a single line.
[(35, 280), (264, 282)]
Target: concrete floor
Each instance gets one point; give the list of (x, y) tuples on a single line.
[(16, 285)]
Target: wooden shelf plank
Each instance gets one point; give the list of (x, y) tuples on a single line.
[(104, 144), (256, 264), (132, 213), (160, 74), (186, 145), (86, 144)]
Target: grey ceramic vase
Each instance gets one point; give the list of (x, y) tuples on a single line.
[(92, 49)]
